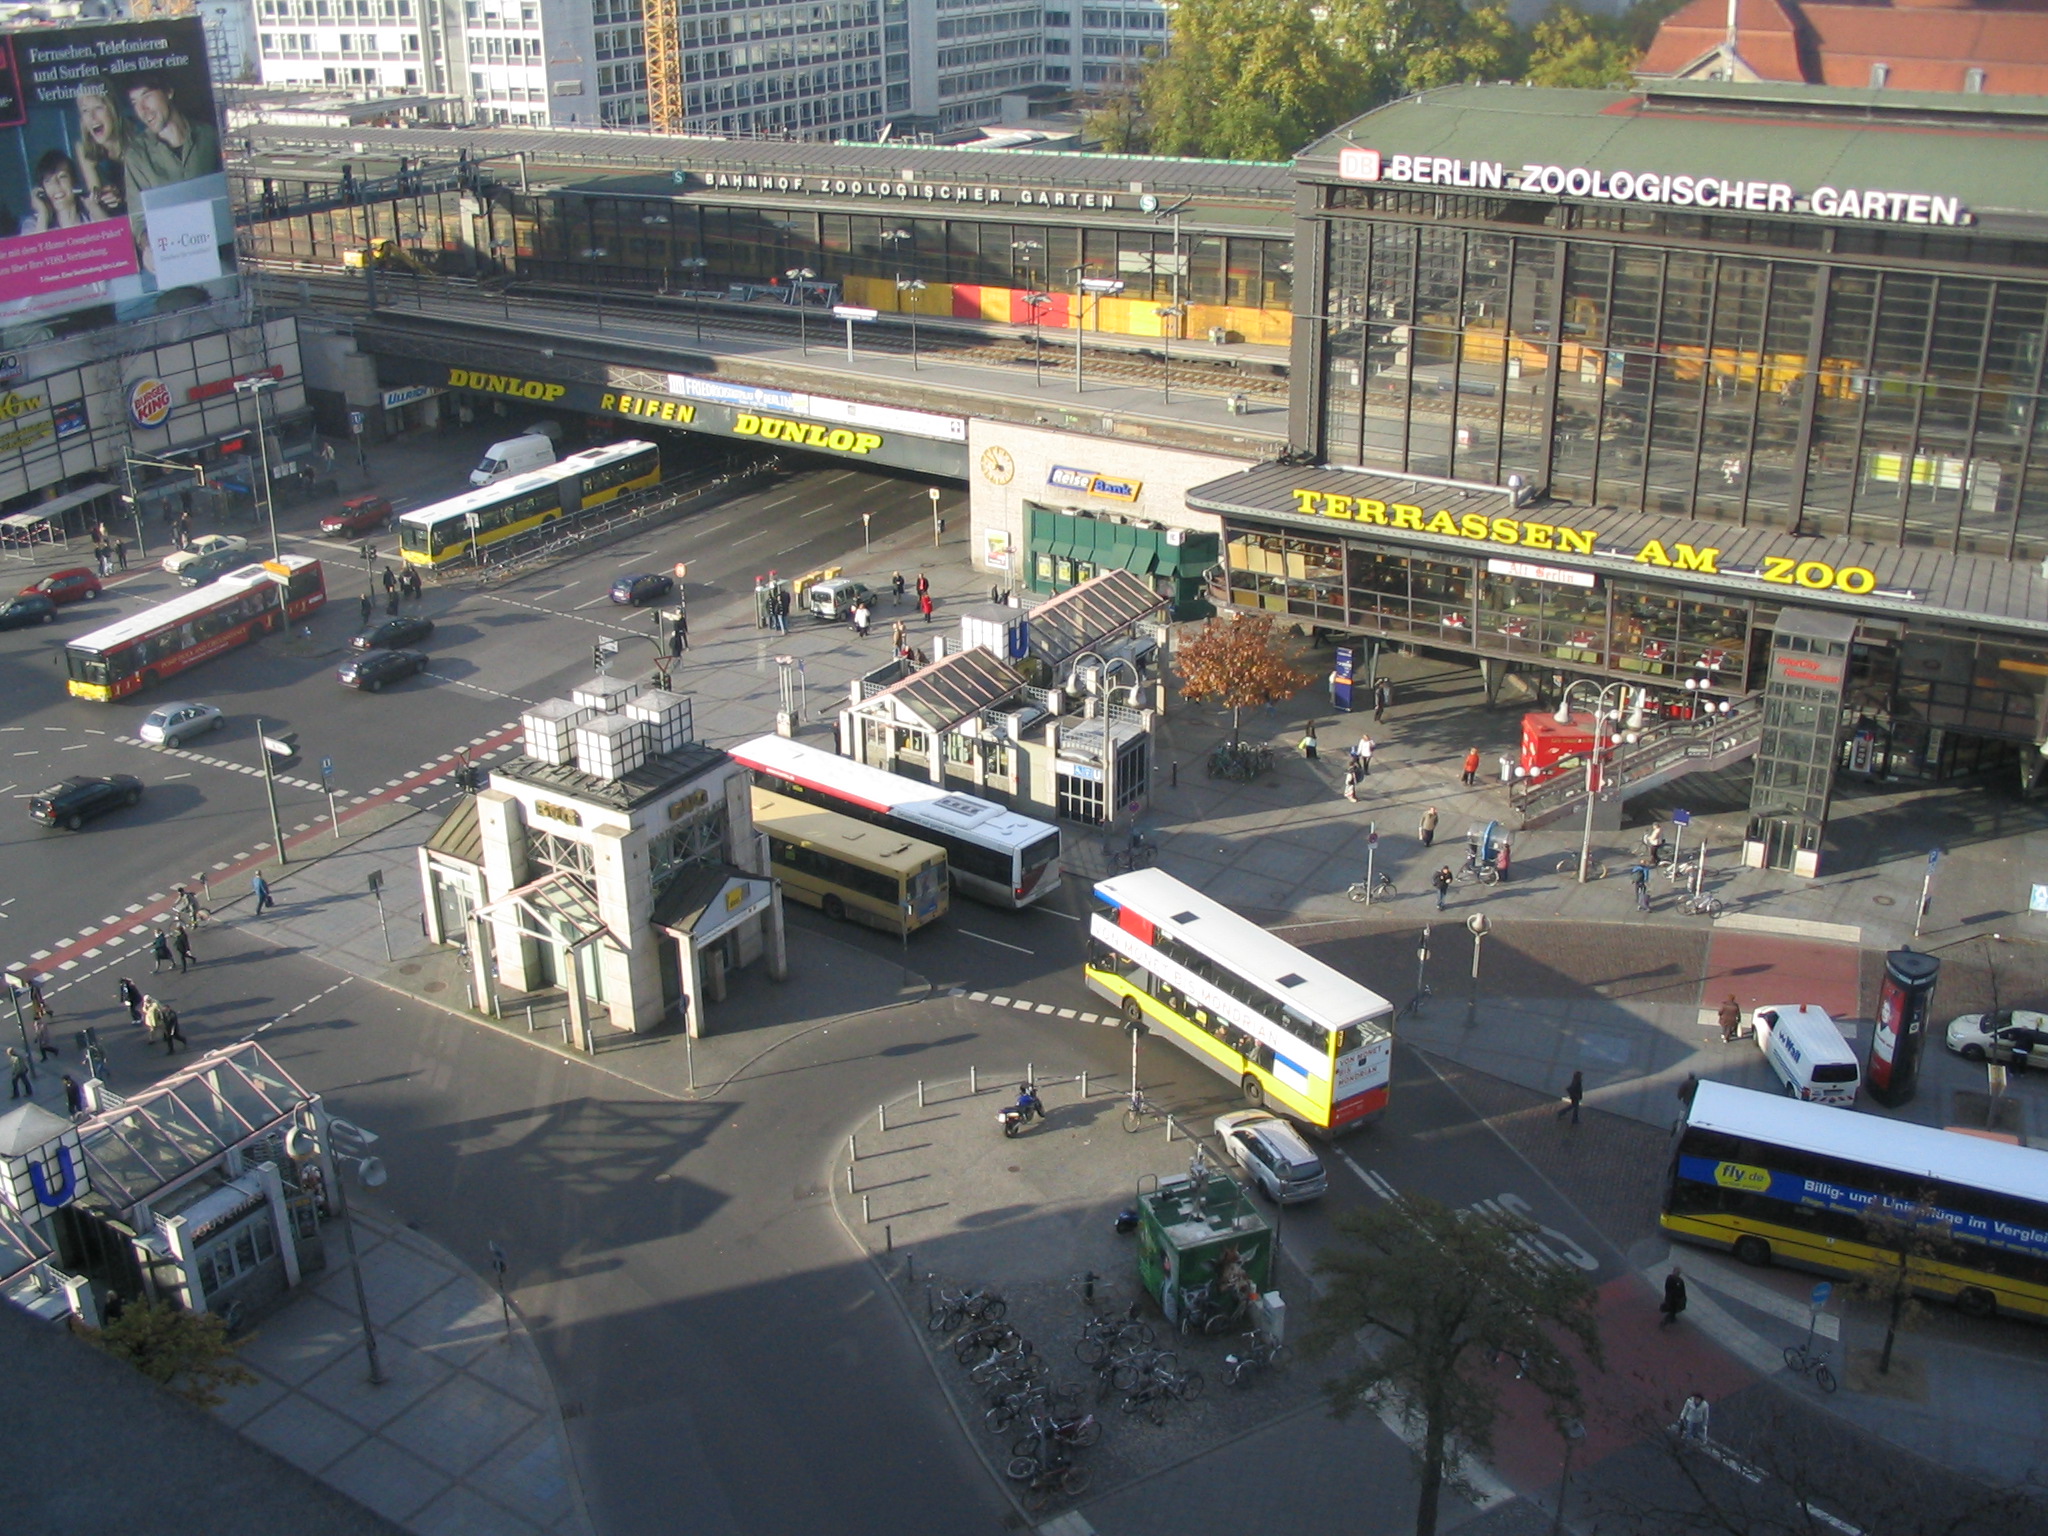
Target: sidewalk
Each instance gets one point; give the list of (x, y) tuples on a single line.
[(463, 1438)]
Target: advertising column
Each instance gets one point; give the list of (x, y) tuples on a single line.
[(1903, 1002)]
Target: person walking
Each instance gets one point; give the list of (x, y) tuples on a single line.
[(174, 1033), (186, 906), (899, 637), (160, 951), (1442, 881), (37, 1006), (153, 1018), (368, 605), (1640, 876), (131, 999), (924, 604), (95, 1058), (1574, 1095), (1382, 700), (1308, 741), (1428, 829), (391, 600), (183, 947), (682, 631), (41, 1032), (1692, 1419), (1653, 844), (390, 583), (1471, 773), (860, 620), (74, 1096), (19, 1084), (1366, 748), (1351, 777), (261, 887), (895, 589), (1731, 1019), (121, 554), (1674, 1297), (924, 585)]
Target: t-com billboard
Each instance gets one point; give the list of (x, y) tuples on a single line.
[(113, 204)]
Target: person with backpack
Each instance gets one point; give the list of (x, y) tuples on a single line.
[(1442, 881), (160, 951), (131, 999)]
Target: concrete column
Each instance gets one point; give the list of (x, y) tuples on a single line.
[(693, 989), (778, 939), (482, 973), (579, 1016), (935, 748), (501, 827), (280, 1220)]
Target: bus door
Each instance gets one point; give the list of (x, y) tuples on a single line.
[(926, 896)]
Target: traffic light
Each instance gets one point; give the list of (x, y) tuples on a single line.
[(597, 656)]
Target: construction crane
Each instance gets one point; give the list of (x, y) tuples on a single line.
[(664, 66)]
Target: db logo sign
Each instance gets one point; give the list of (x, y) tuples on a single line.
[(149, 402), (1358, 164)]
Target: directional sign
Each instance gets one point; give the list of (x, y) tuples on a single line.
[(1821, 1293), (1933, 857), (1683, 818), (326, 770)]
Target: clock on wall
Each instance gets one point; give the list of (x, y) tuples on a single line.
[(997, 466)]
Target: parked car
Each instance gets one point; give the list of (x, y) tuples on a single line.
[(371, 671), (77, 585), (646, 587), (27, 608), (172, 725), (2012, 1037), (393, 633), (205, 544), (359, 514), (1281, 1164), (833, 600), (76, 801), (196, 573)]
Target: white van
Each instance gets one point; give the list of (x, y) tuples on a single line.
[(1808, 1053), (514, 456)]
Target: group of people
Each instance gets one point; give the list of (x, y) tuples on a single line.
[(108, 555), (154, 1015), (406, 585)]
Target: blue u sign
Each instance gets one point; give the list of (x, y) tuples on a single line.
[(67, 1186)]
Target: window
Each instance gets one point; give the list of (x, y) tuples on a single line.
[(236, 1252), (553, 855), (1879, 74)]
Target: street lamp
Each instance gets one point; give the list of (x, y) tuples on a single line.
[(1171, 314), (1029, 250), (303, 1143), (914, 287), (1573, 1432), (1421, 971), (938, 524), (1595, 777), (1102, 288), (800, 276), (257, 385), (695, 266), (134, 501), (1037, 303)]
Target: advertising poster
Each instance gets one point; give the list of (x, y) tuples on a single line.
[(113, 203)]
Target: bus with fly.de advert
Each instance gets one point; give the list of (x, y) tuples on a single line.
[(180, 632), (1778, 1180), (996, 855), (509, 509), (1296, 1036), (853, 871)]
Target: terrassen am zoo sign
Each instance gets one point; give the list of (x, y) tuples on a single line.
[(1526, 533)]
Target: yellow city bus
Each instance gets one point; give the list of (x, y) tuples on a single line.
[(854, 871), (510, 509), (1295, 1035)]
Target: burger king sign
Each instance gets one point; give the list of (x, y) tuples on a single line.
[(149, 402)]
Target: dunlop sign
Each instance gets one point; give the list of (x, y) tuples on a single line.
[(805, 434), (1779, 570), (505, 384)]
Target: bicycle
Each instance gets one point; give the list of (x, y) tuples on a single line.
[(1703, 905), (1802, 1361), (1042, 1483), (1381, 889), (1102, 1337), (1136, 854), (1050, 1432), (1162, 1385), (952, 1308), (1139, 1110), (986, 1336), (1019, 1363), (1569, 865), (1474, 868), (1261, 1354)]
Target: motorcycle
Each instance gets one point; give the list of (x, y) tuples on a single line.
[(1018, 1115)]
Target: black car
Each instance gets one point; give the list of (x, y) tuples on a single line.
[(392, 634), (371, 671), (29, 608), (647, 587), (76, 801), (197, 573)]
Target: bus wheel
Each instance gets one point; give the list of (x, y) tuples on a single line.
[(1254, 1092), (1133, 1014), (835, 909), (1753, 1251), (1975, 1301)]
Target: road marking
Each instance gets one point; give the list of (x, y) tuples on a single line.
[(970, 933), (820, 511), (752, 536), (782, 501), (80, 747), (1066, 917), (1372, 1181), (601, 597), (1834, 1520), (846, 474), (1000, 1002)]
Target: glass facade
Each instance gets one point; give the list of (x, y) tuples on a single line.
[(1755, 371)]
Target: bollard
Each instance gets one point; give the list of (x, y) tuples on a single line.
[(888, 1238), (529, 1018), (920, 1093), (909, 1268), (1030, 1071), (1084, 1082), (1174, 775), (882, 1116), (866, 1214), (852, 1149), (972, 1086), (565, 1029), (849, 1178), (1169, 1132)]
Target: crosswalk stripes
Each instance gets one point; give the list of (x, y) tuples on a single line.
[(1024, 1005)]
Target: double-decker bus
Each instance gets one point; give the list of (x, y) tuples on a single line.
[(195, 626), (1777, 1180), (853, 870), (1292, 1033), (440, 534), (996, 855)]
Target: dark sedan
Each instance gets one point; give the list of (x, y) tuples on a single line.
[(360, 514), (372, 671), (29, 608), (647, 587), (197, 573), (76, 801), (392, 634)]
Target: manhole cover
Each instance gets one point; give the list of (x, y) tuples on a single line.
[(434, 986), (1885, 901), (409, 970), (1015, 1169)]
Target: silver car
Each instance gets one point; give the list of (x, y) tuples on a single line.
[(172, 725), (1281, 1164)]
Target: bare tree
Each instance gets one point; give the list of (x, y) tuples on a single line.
[(1240, 663)]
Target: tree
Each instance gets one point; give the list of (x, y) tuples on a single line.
[(1569, 48), (188, 1352), (1393, 48), (1240, 663), (1118, 124), (1908, 1242), (1447, 1292), (1243, 80)]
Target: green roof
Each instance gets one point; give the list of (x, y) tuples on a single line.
[(1989, 152)]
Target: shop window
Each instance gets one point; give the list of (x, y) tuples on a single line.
[(236, 1252)]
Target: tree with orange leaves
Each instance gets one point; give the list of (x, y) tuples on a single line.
[(1240, 663)]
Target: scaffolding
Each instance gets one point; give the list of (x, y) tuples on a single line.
[(664, 67)]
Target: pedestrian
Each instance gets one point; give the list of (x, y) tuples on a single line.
[(390, 582), (1731, 1019), (1428, 829), (1351, 778), (160, 951), (95, 1058), (153, 1018), (860, 620), (261, 887), (1692, 1419), (41, 1031), (895, 589), (41, 1009), (1674, 1297), (99, 558), (19, 1084), (1442, 881), (1574, 1092), (1641, 877), (899, 637), (1688, 1091), (121, 553), (681, 632), (924, 604), (924, 586), (174, 1033), (1471, 773), (74, 1096), (391, 601), (183, 946), (1364, 752), (131, 999), (1382, 698), (368, 604), (1308, 741), (1653, 844)]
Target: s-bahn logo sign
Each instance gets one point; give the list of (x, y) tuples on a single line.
[(1868, 204)]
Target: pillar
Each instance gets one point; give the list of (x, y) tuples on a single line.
[(778, 941), (693, 988), (579, 1017)]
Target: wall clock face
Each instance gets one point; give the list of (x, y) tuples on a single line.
[(997, 466)]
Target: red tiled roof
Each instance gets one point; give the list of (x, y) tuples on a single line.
[(1923, 48), (1766, 37)]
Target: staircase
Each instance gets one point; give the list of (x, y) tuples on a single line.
[(1664, 751)]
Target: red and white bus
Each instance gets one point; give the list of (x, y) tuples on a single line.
[(996, 855), (146, 647)]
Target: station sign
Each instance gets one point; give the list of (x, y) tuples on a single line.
[(907, 189)]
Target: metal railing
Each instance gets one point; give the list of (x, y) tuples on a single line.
[(1664, 746)]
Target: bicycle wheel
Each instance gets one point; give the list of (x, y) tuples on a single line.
[(1037, 1494), (1000, 1418), (1383, 888), (1134, 1121), (1823, 1377), (1236, 1372), (1074, 1481), (1277, 1358), (1032, 1445), (1136, 1331), (992, 1309), (1190, 1387), (1091, 1350), (1087, 1433), (1125, 1375), (1022, 1468), (1795, 1359), (942, 1319)]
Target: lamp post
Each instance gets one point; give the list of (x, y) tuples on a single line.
[(256, 386), (695, 266), (937, 524), (1170, 316), (799, 276), (1037, 303), (914, 287), (1595, 774), (1573, 1432), (303, 1144), (1029, 250), (1421, 970), (265, 745), (1102, 288)]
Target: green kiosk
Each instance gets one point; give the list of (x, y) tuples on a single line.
[(1204, 1251)]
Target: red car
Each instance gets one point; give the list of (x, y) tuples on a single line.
[(77, 585), (359, 514)]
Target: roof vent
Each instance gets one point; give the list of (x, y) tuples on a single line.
[(1292, 980), (1182, 917)]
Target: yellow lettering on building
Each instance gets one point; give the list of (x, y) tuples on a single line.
[(1308, 503), (1575, 541), (1406, 517), (505, 384), (1372, 512), (567, 815), (1442, 523), (1537, 536), (805, 434), (1474, 525), (1505, 530), (1337, 506)]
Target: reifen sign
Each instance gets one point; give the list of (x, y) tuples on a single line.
[(112, 199)]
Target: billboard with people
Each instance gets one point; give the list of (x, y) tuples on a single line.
[(113, 203)]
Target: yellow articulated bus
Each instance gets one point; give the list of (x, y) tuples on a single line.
[(1296, 1036), (853, 871), (497, 514), (1779, 1181)]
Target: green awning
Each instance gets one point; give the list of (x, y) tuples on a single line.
[(1140, 561)]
